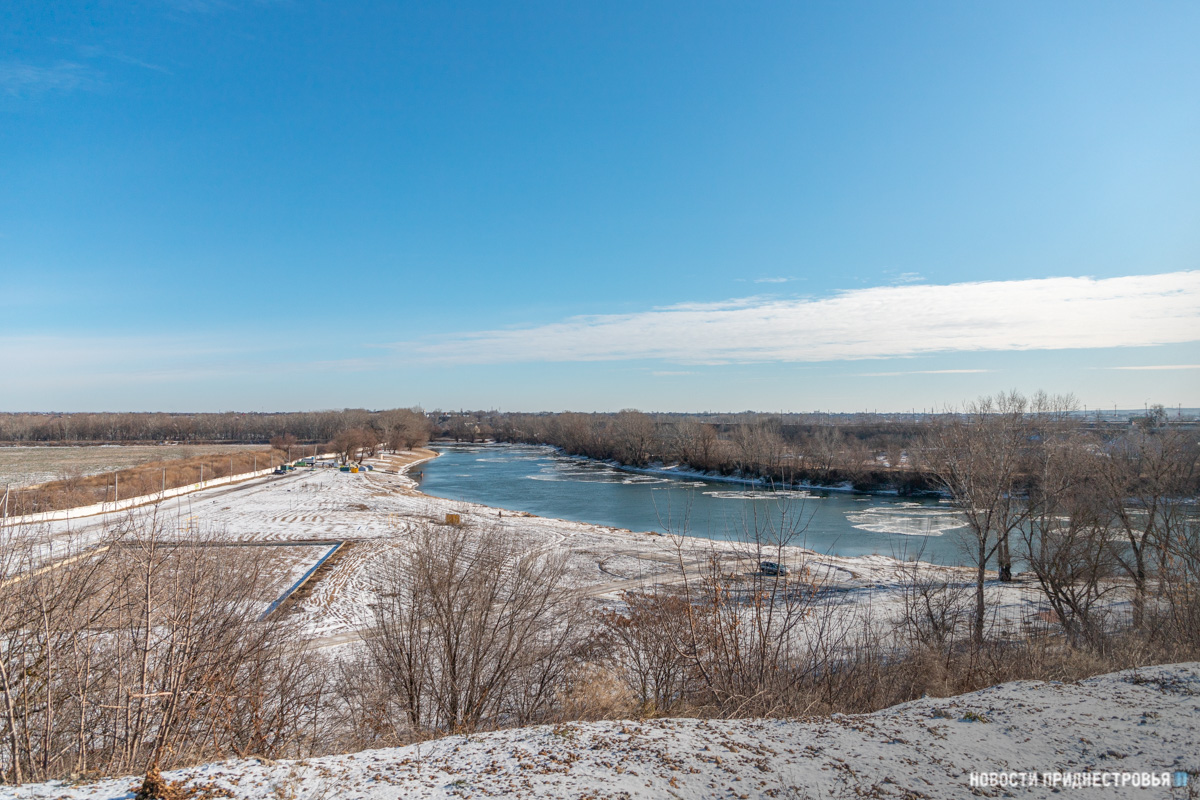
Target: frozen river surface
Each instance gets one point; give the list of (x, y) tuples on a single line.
[(541, 481)]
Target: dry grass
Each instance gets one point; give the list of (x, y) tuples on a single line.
[(136, 481), (27, 465)]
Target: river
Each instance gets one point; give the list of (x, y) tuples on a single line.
[(542, 481)]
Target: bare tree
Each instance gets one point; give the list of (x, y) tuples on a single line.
[(1179, 612), (1147, 475), (471, 625), (980, 458), (347, 445), (633, 437), (284, 443), (747, 629), (1067, 540), (368, 442), (404, 429), (402, 641), (823, 448)]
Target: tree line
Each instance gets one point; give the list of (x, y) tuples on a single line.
[(225, 427), (867, 451), (1092, 515)]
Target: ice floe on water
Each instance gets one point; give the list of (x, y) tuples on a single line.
[(554, 475), (908, 519), (764, 494), (560, 472)]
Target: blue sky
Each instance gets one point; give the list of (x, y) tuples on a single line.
[(215, 204)]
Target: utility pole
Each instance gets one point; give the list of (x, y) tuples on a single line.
[(116, 487)]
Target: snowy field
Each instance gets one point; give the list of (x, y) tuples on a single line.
[(372, 512), (26, 466), (1123, 727)]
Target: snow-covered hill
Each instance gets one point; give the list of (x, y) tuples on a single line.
[(1121, 728)]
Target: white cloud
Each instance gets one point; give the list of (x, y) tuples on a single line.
[(880, 322), (25, 80), (95, 51), (1161, 366), (772, 280)]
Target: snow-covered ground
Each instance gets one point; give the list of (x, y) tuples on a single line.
[(1126, 723), (1119, 728), (372, 512)]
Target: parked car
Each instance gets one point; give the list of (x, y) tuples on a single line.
[(771, 568)]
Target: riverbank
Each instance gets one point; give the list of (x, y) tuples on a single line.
[(375, 512), (401, 463), (679, 471), (902, 483)]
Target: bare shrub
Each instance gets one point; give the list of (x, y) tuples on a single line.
[(1175, 620), (363, 704), (139, 652), (645, 643), (935, 607), (472, 629), (48, 668), (591, 692), (748, 636)]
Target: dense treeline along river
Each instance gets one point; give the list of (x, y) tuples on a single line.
[(541, 481)]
